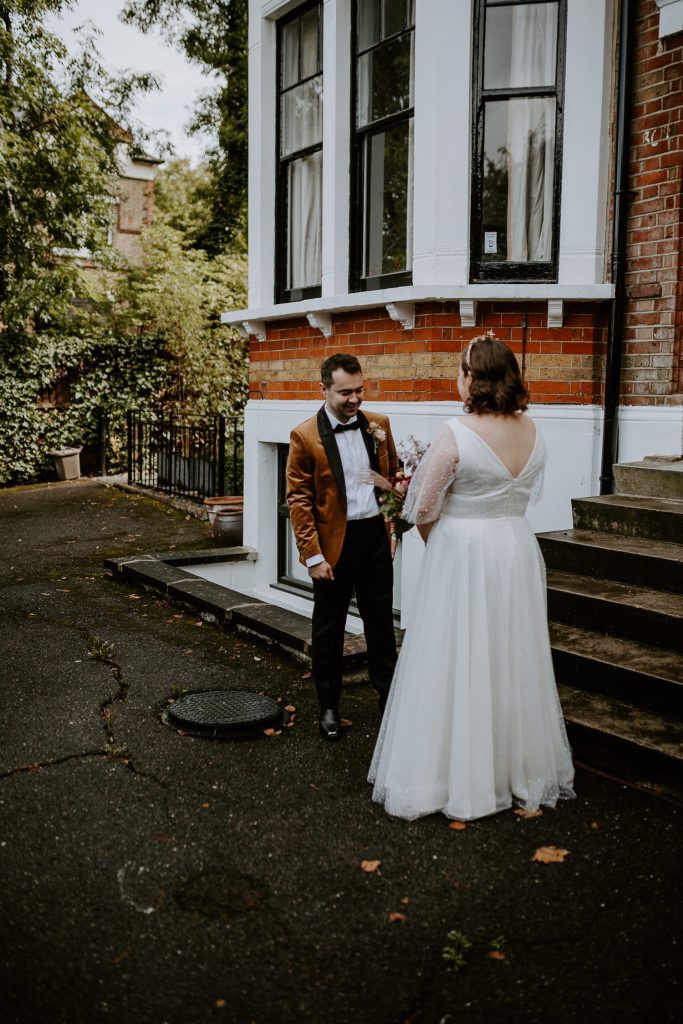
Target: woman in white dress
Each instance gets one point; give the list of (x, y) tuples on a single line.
[(473, 723)]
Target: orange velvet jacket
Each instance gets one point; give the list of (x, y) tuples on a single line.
[(316, 491)]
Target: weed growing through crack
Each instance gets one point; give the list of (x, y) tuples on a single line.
[(99, 649), (455, 954), (177, 691), (114, 752)]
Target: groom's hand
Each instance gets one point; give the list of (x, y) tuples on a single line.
[(321, 571)]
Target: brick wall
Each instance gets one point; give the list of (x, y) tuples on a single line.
[(562, 365), (652, 364), (135, 211)]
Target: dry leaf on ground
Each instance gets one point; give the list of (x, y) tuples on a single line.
[(290, 708), (370, 865), (396, 916), (346, 722), (550, 855), (457, 826), (496, 954), (405, 901), (522, 812), (271, 732)]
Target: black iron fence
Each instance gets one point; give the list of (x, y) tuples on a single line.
[(186, 457)]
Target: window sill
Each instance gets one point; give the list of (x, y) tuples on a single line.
[(319, 310)]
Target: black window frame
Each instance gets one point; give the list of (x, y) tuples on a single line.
[(482, 271), (357, 241), (282, 293)]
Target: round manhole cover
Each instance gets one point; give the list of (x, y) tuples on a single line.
[(225, 713)]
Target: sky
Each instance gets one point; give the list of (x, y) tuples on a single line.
[(125, 48)]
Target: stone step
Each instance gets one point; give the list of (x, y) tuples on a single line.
[(652, 563), (617, 609), (647, 677), (651, 477), (635, 745), (630, 515)]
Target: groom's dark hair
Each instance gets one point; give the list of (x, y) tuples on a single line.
[(339, 361)]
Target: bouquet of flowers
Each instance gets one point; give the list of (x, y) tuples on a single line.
[(395, 488)]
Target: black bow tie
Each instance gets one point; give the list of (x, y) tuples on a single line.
[(347, 426)]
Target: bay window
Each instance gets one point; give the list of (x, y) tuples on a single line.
[(381, 229), (519, 55), (300, 154)]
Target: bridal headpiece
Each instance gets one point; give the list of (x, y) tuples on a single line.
[(479, 337)]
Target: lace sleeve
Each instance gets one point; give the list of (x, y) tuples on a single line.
[(432, 478)]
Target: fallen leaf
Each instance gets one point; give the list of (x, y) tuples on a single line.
[(186, 650), (405, 901), (256, 659), (271, 732), (457, 826), (205, 805), (306, 675), (550, 855), (594, 824), (496, 954), (312, 785), (220, 1004), (290, 708), (396, 916), (370, 865), (346, 722), (522, 812), (134, 597)]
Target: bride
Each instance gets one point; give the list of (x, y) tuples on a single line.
[(473, 723)]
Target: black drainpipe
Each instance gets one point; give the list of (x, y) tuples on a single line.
[(610, 430)]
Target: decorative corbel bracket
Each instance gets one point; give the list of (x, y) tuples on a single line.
[(403, 313), (468, 312), (321, 321), (255, 327), (555, 312), (242, 329)]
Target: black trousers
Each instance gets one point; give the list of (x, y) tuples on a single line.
[(364, 565)]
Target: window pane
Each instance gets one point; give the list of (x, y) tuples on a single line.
[(388, 212), (290, 54), (394, 17), (302, 116), (304, 221), (368, 23), (520, 46), (519, 164), (309, 43), (385, 80), (411, 13)]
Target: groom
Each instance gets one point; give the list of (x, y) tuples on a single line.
[(341, 536)]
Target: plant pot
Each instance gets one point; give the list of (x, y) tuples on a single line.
[(67, 463), (226, 518)]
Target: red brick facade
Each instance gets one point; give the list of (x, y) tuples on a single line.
[(652, 358), (562, 365)]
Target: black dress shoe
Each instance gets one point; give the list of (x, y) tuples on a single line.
[(330, 725)]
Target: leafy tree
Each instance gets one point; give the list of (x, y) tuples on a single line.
[(213, 33)]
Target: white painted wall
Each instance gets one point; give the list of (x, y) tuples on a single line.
[(573, 439)]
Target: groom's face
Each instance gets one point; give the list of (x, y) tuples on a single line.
[(344, 395)]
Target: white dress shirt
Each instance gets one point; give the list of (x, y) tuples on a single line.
[(361, 502)]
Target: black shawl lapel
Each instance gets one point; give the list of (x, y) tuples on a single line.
[(331, 450), (367, 437)]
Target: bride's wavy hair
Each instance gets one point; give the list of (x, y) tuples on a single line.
[(496, 383)]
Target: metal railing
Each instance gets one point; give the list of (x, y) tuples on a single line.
[(189, 458)]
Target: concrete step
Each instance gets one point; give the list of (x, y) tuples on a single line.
[(631, 516), (644, 676), (650, 563), (617, 609), (635, 745), (653, 477)]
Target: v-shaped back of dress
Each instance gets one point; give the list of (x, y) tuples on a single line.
[(483, 487)]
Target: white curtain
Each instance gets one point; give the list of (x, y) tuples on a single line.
[(531, 135), (304, 269)]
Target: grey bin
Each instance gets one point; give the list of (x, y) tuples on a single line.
[(67, 463)]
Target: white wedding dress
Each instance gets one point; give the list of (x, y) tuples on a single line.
[(473, 722)]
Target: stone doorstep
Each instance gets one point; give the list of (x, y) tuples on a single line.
[(290, 630)]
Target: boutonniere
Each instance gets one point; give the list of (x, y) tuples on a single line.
[(376, 433)]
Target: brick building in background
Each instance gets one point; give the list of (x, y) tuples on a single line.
[(421, 172)]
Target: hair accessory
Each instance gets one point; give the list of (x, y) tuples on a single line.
[(479, 337)]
